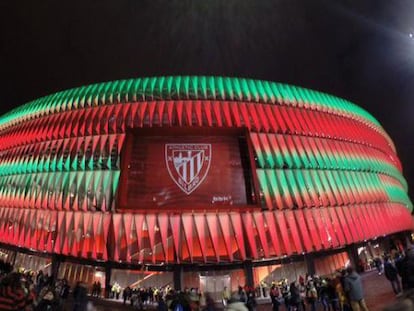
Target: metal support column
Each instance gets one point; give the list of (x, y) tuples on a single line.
[(310, 264), (56, 261), (108, 271), (178, 277), (248, 271), (352, 251)]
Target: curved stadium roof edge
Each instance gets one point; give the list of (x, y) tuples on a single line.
[(188, 88)]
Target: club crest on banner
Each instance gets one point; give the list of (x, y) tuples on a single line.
[(188, 164)]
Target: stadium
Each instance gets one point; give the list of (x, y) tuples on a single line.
[(196, 182)]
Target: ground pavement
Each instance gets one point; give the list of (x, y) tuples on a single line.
[(378, 291), (378, 294)]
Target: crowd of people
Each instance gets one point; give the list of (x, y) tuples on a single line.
[(35, 291), (306, 293), (344, 291), (341, 292)]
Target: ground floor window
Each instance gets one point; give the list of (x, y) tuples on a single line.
[(330, 264), (89, 275), (215, 282), (26, 262), (6, 255), (265, 276), (141, 278)]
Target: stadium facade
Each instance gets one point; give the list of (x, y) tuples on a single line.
[(185, 175)]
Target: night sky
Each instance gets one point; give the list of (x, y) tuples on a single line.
[(358, 50)]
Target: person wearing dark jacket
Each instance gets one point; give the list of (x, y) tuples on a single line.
[(407, 270), (333, 297), (275, 296), (353, 287), (210, 304), (48, 299), (126, 294), (162, 306), (80, 297), (294, 296), (391, 274), (251, 300), (311, 294)]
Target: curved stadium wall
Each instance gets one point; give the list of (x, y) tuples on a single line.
[(313, 172)]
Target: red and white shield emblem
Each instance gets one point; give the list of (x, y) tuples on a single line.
[(188, 164)]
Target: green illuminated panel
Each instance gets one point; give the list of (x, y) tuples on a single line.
[(186, 87)]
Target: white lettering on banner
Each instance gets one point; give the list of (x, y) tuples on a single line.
[(188, 164), (222, 199)]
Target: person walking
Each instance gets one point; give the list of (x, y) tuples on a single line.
[(80, 298), (391, 274), (302, 292), (225, 296), (353, 287), (294, 297), (275, 296), (311, 294), (251, 300)]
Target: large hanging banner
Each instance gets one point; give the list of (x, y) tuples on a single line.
[(186, 172)]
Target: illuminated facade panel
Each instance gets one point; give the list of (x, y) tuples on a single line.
[(196, 170)]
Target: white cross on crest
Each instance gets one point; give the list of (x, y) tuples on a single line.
[(188, 164)]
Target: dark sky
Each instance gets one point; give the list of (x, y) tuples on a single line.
[(358, 50)]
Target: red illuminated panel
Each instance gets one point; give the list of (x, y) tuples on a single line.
[(188, 230), (372, 210), (279, 119), (227, 234), (245, 115), (357, 223), (263, 118), (128, 233), (251, 234), (281, 221), (200, 223), (254, 116), (274, 126), (151, 223), (388, 216), (259, 220), (303, 230), (217, 113), (371, 215), (312, 228), (23, 231), (345, 224), (290, 218), (379, 210), (238, 231), (163, 223), (336, 225), (326, 239), (369, 232), (117, 218), (349, 224), (59, 238), (235, 113), (270, 220), (328, 223)]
